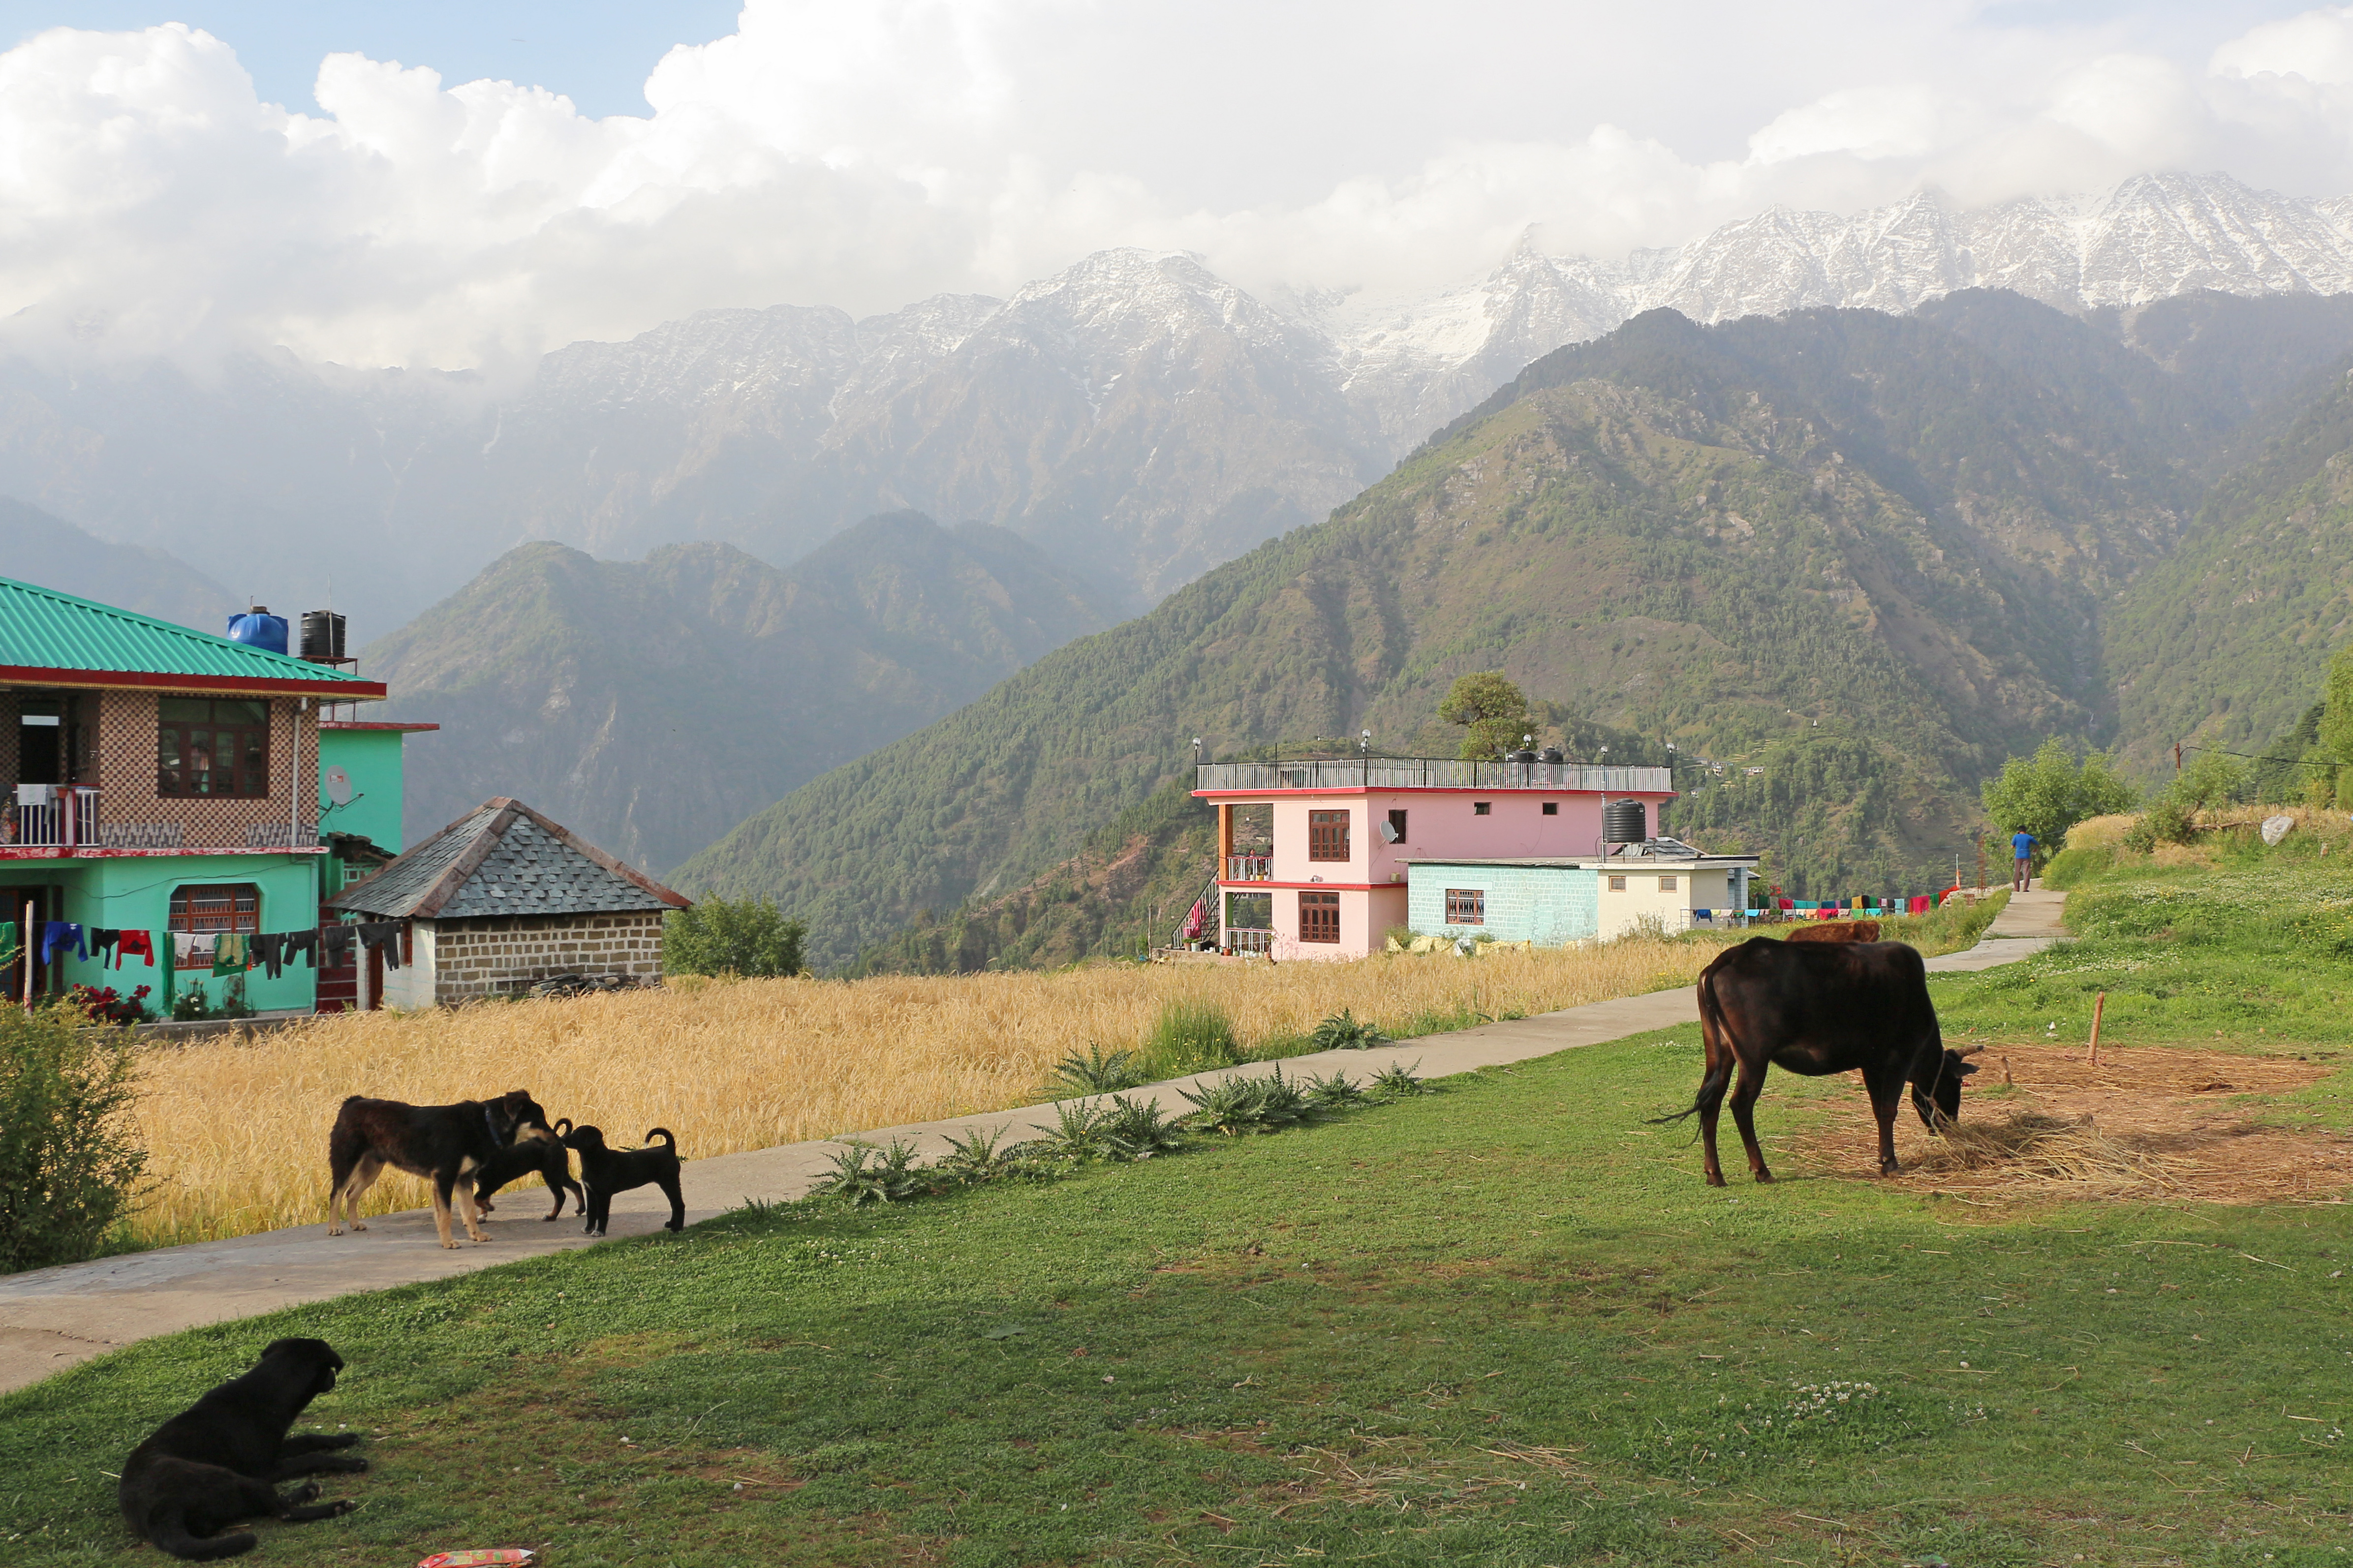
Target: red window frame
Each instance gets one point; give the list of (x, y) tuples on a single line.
[(1466, 906), (212, 747), (1319, 917), (1327, 836), (208, 909)]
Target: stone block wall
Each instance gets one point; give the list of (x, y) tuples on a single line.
[(501, 955)]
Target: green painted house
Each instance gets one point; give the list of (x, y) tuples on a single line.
[(160, 781)]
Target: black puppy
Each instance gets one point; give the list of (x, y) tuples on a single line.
[(534, 1149), (609, 1171), (220, 1460)]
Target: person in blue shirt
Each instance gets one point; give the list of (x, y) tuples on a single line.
[(2022, 860)]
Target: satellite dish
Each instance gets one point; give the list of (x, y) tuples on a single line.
[(338, 785)]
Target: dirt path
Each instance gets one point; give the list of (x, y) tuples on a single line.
[(51, 1318)]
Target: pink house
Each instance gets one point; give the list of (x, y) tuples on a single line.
[(1312, 856)]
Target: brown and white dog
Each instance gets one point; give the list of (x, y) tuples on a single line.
[(439, 1143)]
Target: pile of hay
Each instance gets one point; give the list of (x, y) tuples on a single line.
[(2149, 1124)]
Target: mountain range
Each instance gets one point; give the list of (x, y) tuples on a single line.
[(1865, 556), (652, 705), (1135, 414)]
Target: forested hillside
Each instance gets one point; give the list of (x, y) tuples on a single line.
[(652, 705)]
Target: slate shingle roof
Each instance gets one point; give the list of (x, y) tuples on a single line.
[(503, 858)]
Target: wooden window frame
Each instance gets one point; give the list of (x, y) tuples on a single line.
[(247, 775), (1617, 884), (182, 915), (1667, 885), (1313, 925), (1466, 906), (1327, 836)]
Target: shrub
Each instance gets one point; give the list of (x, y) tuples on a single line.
[(980, 1157), (720, 936), (1342, 1032), (105, 1004), (1399, 1082), (1137, 1129), (1096, 1073), (2050, 791), (1192, 1036), (1234, 1105), (1333, 1093), (863, 1173), (69, 1166)]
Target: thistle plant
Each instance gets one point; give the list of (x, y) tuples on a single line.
[(864, 1173), (981, 1156), (1137, 1129), (1343, 1031), (1097, 1073), (1333, 1093), (1399, 1081), (1077, 1134)]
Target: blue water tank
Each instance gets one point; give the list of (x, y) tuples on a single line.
[(258, 628)]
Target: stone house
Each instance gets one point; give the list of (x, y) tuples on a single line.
[(501, 900)]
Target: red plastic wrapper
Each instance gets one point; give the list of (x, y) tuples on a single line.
[(481, 1558)]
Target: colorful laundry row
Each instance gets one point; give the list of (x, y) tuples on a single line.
[(225, 952)]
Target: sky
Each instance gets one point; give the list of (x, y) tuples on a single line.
[(466, 186)]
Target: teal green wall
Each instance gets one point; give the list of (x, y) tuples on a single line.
[(134, 893), (1548, 905), (372, 759)]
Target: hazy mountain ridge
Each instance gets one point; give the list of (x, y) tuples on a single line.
[(1134, 413), (652, 705), (38, 548), (1871, 555)]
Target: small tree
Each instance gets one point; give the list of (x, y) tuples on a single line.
[(70, 1166), (2050, 791), (2211, 779), (719, 936), (1494, 710)]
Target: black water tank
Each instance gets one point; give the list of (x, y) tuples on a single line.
[(323, 635), (1552, 755), (1625, 822), (1523, 756)]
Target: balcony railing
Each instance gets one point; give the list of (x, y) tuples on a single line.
[(1430, 772), (66, 816), (55, 817), (1250, 868), (1241, 941)]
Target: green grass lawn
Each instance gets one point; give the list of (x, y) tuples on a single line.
[(1504, 1324)]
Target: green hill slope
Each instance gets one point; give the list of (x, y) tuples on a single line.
[(2225, 642), (652, 705)]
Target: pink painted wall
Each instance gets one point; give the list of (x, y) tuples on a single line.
[(1365, 920), (1436, 824)]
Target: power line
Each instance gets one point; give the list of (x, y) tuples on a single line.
[(2250, 756)]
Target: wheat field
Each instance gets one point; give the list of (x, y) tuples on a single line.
[(237, 1128)]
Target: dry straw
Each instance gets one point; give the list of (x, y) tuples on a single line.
[(238, 1130)]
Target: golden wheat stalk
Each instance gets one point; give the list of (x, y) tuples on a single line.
[(237, 1130)]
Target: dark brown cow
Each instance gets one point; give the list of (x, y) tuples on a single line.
[(1834, 930), (1817, 1008)]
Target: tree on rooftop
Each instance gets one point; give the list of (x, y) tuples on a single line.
[(1493, 711)]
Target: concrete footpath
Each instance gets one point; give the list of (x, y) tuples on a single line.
[(51, 1318)]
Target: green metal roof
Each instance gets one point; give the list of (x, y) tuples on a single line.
[(42, 629)]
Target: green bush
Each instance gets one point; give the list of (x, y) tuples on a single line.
[(1192, 1036), (2050, 791), (69, 1166), (720, 936)]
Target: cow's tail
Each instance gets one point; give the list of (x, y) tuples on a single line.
[(1712, 1020)]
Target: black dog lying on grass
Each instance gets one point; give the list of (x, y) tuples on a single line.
[(609, 1171), (538, 1149), (221, 1460)]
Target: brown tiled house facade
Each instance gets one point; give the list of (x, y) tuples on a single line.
[(133, 814), (500, 956)]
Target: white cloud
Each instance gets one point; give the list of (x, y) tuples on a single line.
[(866, 155)]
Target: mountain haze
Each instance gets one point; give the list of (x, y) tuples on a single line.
[(652, 705), (1869, 555), (1134, 413), (38, 548)]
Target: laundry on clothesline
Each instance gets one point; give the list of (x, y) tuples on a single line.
[(57, 934), (134, 944), (382, 936)]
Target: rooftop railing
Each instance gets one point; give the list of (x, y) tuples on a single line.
[(1430, 772)]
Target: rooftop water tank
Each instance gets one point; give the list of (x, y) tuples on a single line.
[(1552, 755), (258, 628), (1625, 822), (323, 635), (1523, 756)]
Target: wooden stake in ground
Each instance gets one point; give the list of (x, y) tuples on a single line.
[(2099, 1005)]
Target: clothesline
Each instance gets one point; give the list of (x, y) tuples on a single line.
[(225, 952)]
